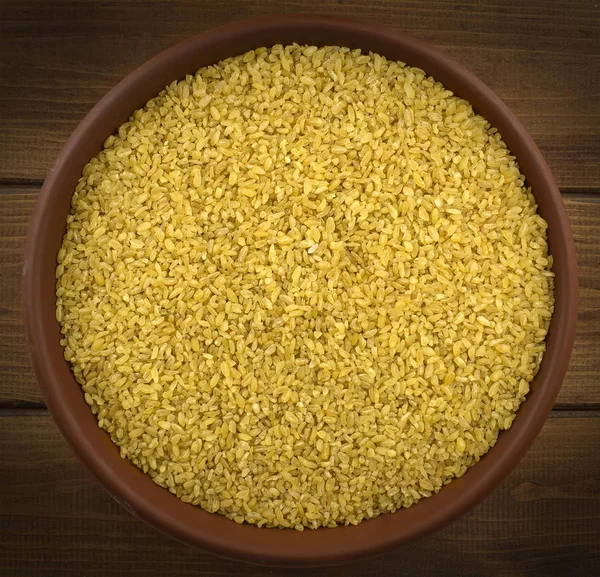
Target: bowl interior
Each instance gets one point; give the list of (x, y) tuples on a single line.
[(137, 491)]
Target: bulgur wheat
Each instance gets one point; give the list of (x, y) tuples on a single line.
[(304, 287)]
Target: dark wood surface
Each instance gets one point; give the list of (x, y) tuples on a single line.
[(58, 58)]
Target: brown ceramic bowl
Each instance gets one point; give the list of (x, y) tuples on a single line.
[(135, 490)]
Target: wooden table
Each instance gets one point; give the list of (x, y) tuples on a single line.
[(58, 58)]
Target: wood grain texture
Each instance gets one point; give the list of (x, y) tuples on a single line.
[(18, 386), (56, 520), (57, 59)]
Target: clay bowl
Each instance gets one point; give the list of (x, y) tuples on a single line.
[(136, 491)]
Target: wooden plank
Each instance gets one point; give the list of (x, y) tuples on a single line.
[(18, 385), (582, 383), (58, 58), (17, 382), (543, 520)]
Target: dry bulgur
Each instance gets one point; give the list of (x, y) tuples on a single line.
[(304, 287)]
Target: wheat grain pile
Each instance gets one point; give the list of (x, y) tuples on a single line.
[(304, 287)]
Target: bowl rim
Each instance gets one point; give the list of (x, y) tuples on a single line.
[(283, 547)]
